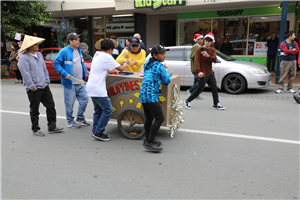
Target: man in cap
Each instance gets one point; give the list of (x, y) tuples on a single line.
[(198, 38), (69, 63), (36, 82), (133, 55), (204, 57), (142, 43)]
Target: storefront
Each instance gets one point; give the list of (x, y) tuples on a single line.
[(247, 29)]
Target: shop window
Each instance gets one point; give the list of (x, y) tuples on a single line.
[(260, 30), (235, 29), (188, 28), (176, 55)]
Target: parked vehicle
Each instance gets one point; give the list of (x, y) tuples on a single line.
[(51, 53), (232, 75)]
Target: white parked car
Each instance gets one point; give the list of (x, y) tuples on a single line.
[(233, 76)]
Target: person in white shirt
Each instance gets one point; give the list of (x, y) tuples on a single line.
[(102, 64)]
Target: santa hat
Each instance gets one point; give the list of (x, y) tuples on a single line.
[(210, 35), (197, 36)]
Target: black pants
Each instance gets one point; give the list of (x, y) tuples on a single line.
[(271, 62), (18, 75), (152, 111), (44, 96), (211, 82)]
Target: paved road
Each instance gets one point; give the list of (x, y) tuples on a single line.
[(248, 151)]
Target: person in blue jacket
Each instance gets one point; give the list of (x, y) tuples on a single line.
[(154, 73), (272, 45), (69, 63)]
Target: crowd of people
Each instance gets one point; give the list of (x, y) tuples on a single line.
[(111, 59)]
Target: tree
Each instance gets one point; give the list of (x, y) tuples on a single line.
[(18, 15)]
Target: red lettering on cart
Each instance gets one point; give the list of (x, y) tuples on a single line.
[(128, 86), (137, 84), (123, 87), (131, 83)]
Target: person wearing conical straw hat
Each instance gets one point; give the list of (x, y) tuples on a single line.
[(69, 64), (36, 82)]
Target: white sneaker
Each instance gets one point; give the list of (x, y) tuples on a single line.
[(279, 91), (291, 91), (187, 104), (218, 107)]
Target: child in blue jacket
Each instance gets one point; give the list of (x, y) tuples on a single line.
[(154, 73)]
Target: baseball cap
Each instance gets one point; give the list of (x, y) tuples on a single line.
[(135, 41), (72, 36), (158, 49)]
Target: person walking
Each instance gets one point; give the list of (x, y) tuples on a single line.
[(154, 74), (204, 57), (14, 62), (272, 45), (226, 47), (133, 55), (36, 82), (288, 64), (102, 64), (69, 63), (143, 46), (118, 49), (198, 38), (7, 63)]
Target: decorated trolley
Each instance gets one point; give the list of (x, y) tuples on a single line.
[(123, 90)]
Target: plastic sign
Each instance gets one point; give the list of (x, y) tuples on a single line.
[(260, 49), (63, 26), (157, 4)]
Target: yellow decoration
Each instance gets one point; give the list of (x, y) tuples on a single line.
[(160, 86), (140, 84), (131, 100), (139, 105), (114, 109), (162, 99), (121, 103), (137, 94)]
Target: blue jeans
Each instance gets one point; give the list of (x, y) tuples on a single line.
[(103, 111), (194, 87), (78, 92)]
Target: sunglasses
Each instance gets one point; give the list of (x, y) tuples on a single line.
[(36, 44)]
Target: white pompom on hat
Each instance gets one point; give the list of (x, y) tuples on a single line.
[(210, 35), (197, 36)]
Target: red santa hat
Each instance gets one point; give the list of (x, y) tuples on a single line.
[(197, 36), (210, 35)]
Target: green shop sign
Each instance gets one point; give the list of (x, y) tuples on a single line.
[(157, 4)]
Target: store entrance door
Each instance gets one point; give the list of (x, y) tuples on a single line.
[(168, 32)]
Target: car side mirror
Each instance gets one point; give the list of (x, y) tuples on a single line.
[(218, 61)]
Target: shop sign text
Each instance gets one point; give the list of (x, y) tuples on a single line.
[(260, 49), (120, 27), (227, 13), (157, 4)]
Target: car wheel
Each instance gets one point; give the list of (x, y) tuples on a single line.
[(234, 84)]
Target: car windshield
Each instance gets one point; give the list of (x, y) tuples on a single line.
[(86, 56), (224, 56)]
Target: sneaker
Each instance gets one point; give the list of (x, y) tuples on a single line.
[(82, 122), (17, 82), (199, 97), (152, 146), (56, 130), (188, 93), (100, 136), (21, 82), (38, 133), (297, 98), (279, 91), (187, 104), (218, 107), (73, 124), (156, 141), (291, 91)]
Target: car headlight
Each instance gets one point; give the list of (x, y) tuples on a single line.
[(256, 70)]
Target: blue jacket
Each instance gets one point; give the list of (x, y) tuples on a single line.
[(272, 46), (154, 73), (63, 64)]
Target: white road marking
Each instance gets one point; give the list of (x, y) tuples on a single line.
[(186, 130)]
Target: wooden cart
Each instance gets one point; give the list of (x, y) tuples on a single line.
[(124, 94)]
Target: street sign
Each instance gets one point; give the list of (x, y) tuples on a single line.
[(63, 26)]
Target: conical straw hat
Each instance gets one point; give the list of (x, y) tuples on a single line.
[(98, 43), (30, 41)]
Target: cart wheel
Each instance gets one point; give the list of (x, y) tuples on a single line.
[(131, 123)]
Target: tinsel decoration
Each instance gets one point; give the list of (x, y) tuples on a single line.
[(176, 113)]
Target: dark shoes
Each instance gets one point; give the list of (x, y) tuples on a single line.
[(297, 98), (56, 130), (100, 136), (153, 146), (154, 141)]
